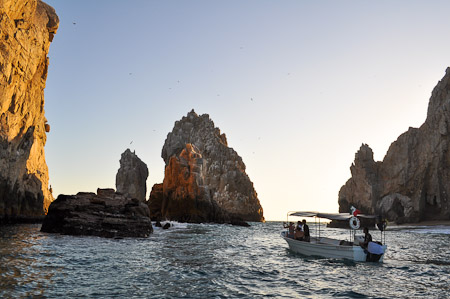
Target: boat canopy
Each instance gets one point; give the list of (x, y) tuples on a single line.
[(331, 216)]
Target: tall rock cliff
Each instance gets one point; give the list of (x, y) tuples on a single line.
[(412, 183), (27, 28), (205, 180), (131, 179)]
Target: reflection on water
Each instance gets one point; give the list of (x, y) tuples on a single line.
[(22, 272), (198, 261)]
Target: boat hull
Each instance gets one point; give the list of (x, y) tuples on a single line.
[(323, 247)]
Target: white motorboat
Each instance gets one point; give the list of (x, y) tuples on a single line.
[(335, 248)]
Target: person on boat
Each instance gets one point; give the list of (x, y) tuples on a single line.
[(291, 229), (299, 226), (367, 238), (306, 236), (299, 234)]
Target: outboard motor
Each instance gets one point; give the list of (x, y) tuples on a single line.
[(374, 251)]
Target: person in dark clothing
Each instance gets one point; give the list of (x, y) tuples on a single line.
[(306, 236), (367, 238)]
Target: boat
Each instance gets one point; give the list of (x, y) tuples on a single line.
[(349, 249)]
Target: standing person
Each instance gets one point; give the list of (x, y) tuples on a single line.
[(306, 236)]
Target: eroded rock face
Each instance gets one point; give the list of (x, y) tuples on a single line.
[(27, 28), (363, 186), (131, 179), (105, 214), (205, 180), (155, 202), (413, 181)]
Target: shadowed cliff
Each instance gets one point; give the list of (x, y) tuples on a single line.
[(412, 182)]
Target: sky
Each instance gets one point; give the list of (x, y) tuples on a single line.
[(297, 86)]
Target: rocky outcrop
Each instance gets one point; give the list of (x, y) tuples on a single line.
[(204, 180), (363, 187), (412, 182), (155, 202), (27, 28), (105, 214), (131, 179)]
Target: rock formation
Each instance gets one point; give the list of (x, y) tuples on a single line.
[(412, 183), (205, 180), (27, 28), (155, 202), (131, 179), (105, 214)]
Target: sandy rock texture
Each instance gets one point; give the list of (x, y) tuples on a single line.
[(412, 183), (204, 180), (105, 214), (131, 178), (27, 28)]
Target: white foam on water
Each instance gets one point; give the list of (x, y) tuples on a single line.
[(174, 225)]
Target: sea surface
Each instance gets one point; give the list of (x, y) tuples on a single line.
[(217, 261)]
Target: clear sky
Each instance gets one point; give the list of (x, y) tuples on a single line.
[(297, 86)]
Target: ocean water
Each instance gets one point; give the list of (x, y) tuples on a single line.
[(217, 261)]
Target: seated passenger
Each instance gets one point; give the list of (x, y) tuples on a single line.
[(299, 234)]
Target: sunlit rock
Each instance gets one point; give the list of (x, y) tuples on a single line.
[(26, 30), (205, 180)]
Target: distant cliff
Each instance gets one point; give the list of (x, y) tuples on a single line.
[(205, 180), (412, 183), (27, 28)]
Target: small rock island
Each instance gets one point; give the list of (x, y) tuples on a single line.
[(105, 214), (204, 179), (108, 213)]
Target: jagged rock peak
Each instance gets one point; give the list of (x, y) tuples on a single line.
[(195, 129), (411, 183), (205, 180), (439, 98), (26, 30), (131, 178), (365, 153)]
